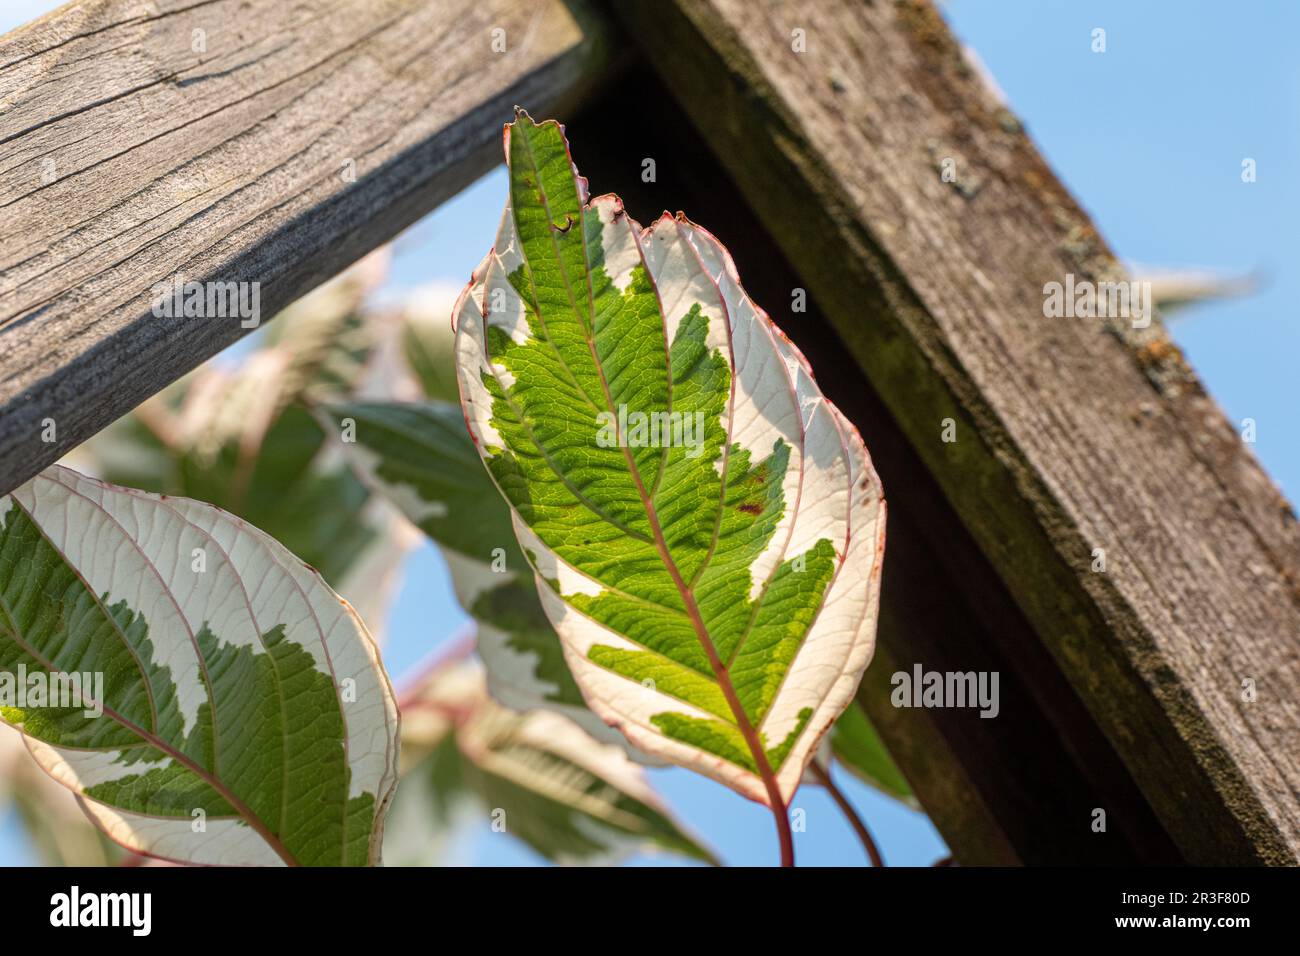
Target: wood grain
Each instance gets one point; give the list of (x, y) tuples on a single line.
[(1072, 434), (144, 140)]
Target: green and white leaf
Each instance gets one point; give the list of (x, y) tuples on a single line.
[(715, 593), (568, 796), (237, 689), (858, 747), (420, 457)]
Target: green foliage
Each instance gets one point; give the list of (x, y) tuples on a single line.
[(705, 528)]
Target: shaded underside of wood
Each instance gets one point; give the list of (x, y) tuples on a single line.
[(1073, 436), (229, 141)]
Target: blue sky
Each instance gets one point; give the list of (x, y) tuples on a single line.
[(1149, 136)]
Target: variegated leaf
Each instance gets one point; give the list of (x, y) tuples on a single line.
[(706, 528), (232, 709)]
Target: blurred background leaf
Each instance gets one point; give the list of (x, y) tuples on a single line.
[(539, 776), (1173, 290), (858, 746)]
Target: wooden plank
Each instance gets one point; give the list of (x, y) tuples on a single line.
[(1072, 434), (1002, 791), (215, 141)]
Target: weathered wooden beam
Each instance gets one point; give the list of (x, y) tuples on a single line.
[(248, 141), (1074, 436)]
